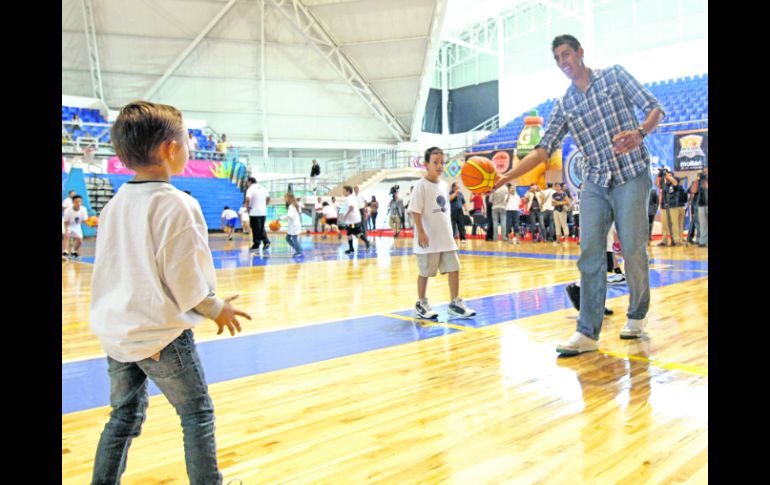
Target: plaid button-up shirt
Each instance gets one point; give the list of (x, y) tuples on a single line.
[(594, 117)]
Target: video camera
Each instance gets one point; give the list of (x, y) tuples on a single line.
[(393, 190)]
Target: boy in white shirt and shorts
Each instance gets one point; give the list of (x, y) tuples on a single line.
[(434, 245), (73, 217)]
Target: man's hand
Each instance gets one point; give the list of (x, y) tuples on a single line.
[(625, 141), (227, 318), (500, 180), (422, 239)]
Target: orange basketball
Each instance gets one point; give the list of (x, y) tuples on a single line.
[(478, 174), (275, 225), (92, 221)]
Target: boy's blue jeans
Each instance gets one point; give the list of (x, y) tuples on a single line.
[(294, 243), (179, 375), (627, 205)]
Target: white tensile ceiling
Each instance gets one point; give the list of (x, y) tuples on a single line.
[(387, 41)]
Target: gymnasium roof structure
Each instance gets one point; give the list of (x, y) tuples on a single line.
[(337, 73)]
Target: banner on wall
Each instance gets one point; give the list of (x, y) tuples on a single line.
[(659, 146), (691, 151), (501, 159), (194, 168)]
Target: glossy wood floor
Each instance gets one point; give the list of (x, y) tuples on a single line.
[(483, 405)]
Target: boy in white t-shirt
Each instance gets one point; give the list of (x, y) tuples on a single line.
[(352, 219), (74, 216), (244, 213), (433, 242), (229, 220), (330, 215), (153, 281)]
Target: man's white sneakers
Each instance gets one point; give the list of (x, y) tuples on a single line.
[(633, 328), (577, 344)]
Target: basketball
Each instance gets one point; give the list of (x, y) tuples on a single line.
[(478, 175), (275, 225), (92, 221)]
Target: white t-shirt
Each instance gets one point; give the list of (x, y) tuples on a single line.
[(244, 212), (294, 225), (66, 203), (153, 266), (329, 212), (361, 201), (514, 202), (431, 200), (354, 217), (319, 207), (257, 197), (548, 199), (228, 214), (75, 219), (192, 143)]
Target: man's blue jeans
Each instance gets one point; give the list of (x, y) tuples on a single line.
[(179, 375), (628, 203)]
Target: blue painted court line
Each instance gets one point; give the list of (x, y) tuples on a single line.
[(85, 383)]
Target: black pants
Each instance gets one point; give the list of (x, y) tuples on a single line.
[(576, 227), (652, 220), (512, 222), (258, 234), (534, 222), (458, 220), (548, 225)]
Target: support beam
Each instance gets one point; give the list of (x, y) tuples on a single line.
[(304, 21), (468, 45), (444, 93), (262, 80), (564, 6), (431, 53), (93, 51), (181, 58)]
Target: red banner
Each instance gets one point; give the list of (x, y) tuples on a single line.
[(194, 168)]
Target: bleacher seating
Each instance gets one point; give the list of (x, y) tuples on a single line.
[(685, 101), (212, 194)]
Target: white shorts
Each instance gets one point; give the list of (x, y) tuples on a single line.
[(446, 262), (75, 231)]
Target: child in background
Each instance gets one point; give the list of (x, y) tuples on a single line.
[(73, 217), (293, 228), (244, 213), (229, 220)]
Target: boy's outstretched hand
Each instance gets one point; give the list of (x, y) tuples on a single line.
[(227, 318)]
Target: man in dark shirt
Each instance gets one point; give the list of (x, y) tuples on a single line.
[(457, 203)]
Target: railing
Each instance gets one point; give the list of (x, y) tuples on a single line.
[(701, 124), (491, 124)]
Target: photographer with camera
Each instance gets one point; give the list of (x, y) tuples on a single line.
[(700, 206), (395, 211), (672, 203)]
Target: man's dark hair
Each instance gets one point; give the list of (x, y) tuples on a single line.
[(76, 197), (226, 208), (252, 180), (348, 188), (549, 185), (565, 39), (430, 151)]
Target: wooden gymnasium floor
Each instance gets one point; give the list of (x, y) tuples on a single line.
[(335, 382)]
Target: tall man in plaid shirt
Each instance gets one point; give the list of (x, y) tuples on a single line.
[(598, 110)]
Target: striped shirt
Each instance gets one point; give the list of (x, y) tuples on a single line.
[(594, 117)]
